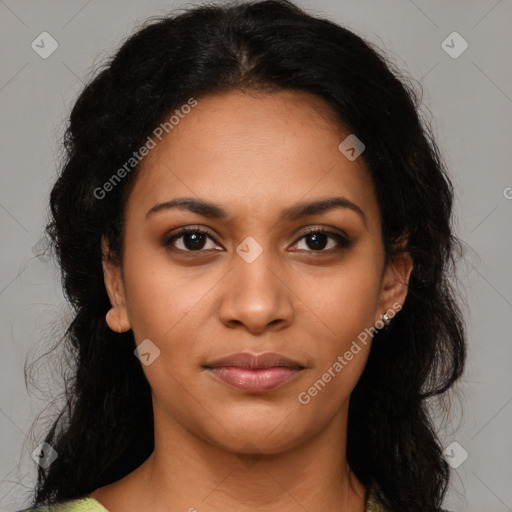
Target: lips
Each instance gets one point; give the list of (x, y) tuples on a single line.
[(255, 361), (255, 372)]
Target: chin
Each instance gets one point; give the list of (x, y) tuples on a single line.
[(269, 438)]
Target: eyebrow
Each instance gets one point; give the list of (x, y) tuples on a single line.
[(297, 211)]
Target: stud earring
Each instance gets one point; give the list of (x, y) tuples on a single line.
[(386, 319)]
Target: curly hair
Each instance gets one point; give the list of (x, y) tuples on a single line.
[(268, 45)]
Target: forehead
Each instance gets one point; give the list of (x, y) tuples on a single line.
[(253, 152)]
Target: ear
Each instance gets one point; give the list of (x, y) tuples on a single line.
[(394, 285), (117, 317)]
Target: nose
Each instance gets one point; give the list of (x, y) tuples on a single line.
[(256, 296)]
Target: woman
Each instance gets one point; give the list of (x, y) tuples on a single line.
[(254, 229)]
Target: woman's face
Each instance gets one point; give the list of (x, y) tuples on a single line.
[(256, 282)]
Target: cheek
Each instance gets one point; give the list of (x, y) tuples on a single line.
[(347, 309), (343, 301), (344, 305), (158, 296)]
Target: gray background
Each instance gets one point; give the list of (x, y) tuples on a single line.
[(470, 98)]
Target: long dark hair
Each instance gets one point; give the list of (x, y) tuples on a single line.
[(105, 430)]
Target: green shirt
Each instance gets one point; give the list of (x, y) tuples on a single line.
[(89, 504), (86, 504)]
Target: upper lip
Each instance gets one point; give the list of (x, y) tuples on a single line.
[(254, 361)]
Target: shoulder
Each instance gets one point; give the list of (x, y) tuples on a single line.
[(372, 504), (85, 504)]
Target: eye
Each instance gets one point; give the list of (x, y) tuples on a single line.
[(193, 240), (317, 239), (196, 239)]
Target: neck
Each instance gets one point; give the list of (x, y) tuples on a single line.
[(187, 473)]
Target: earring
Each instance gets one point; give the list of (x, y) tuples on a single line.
[(120, 328), (386, 319)]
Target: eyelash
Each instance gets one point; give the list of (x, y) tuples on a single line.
[(343, 243)]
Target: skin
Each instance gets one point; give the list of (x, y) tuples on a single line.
[(254, 155)]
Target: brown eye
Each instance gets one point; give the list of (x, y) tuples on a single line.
[(315, 240), (193, 240), (318, 239)]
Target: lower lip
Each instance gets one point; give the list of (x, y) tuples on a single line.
[(255, 380)]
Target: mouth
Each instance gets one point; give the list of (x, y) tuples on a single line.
[(255, 373)]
